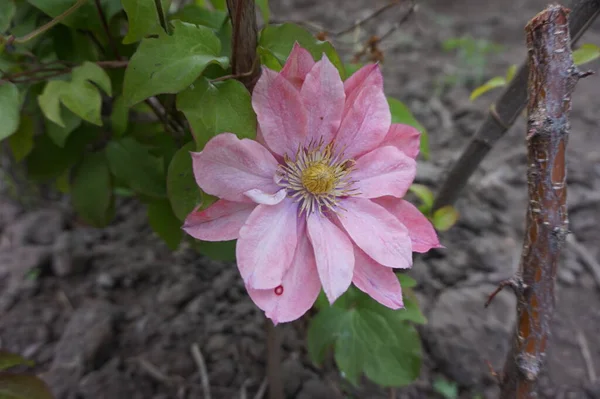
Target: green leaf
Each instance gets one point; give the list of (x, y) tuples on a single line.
[(410, 312), (119, 119), (142, 18), (280, 39), (165, 223), (219, 4), (23, 386), (89, 71), (132, 164), (586, 53), (60, 134), (10, 104), (21, 142), (213, 108), (85, 17), (323, 331), (448, 389), (424, 194), (398, 364), (445, 217), (265, 12), (406, 281), (91, 190), (351, 68), (182, 190), (49, 101), (401, 114), (194, 14), (7, 12), (491, 84), (510, 72), (8, 360), (268, 59), (219, 250), (168, 64)]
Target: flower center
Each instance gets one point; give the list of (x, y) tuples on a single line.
[(318, 178)]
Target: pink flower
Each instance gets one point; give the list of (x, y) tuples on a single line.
[(316, 201)]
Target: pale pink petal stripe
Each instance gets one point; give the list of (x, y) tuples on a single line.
[(333, 253), (377, 281), (228, 167), (404, 137), (260, 197), (266, 244), (298, 64), (384, 171), (221, 221), (420, 229), (377, 232), (367, 76), (365, 123), (323, 96), (299, 289), (280, 113)]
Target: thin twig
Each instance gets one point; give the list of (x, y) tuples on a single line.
[(587, 356), (587, 258), (19, 40), (199, 359), (262, 389), (507, 109), (371, 16), (111, 41), (154, 372)]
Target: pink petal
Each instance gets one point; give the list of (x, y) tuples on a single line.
[(299, 289), (260, 197), (365, 123), (377, 232), (323, 96), (266, 244), (228, 167), (369, 75), (421, 231), (280, 113), (297, 66), (333, 253), (384, 171), (377, 281), (404, 137), (221, 221)]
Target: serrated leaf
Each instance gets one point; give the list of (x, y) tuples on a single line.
[(165, 223), (23, 386), (169, 64), (491, 84), (142, 18), (423, 193), (21, 142), (182, 190), (401, 114), (280, 39), (60, 134), (586, 53), (213, 108), (9, 359), (132, 164), (445, 217), (218, 250), (10, 105), (194, 14), (91, 190), (7, 12), (323, 331), (265, 12), (398, 364)]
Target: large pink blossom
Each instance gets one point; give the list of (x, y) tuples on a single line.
[(316, 200)]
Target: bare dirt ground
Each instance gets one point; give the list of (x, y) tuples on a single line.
[(112, 313)]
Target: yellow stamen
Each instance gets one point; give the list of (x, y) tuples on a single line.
[(318, 178)]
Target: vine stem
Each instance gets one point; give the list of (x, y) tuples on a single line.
[(162, 17), (504, 113), (551, 81)]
